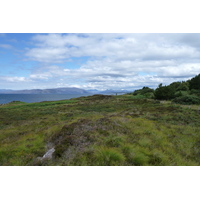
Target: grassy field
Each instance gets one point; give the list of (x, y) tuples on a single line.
[(100, 130)]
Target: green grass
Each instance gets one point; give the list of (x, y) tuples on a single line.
[(105, 156), (100, 130)]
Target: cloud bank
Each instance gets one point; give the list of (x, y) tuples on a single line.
[(110, 61)]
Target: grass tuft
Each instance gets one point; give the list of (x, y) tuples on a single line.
[(108, 157)]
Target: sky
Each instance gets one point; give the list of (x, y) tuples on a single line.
[(97, 61)]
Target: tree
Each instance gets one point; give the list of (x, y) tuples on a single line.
[(184, 86), (164, 92), (195, 83)]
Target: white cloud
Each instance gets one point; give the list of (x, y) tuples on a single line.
[(114, 60), (56, 47), (47, 72), (13, 79)]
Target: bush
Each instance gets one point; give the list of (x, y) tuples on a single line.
[(184, 86), (187, 100), (145, 92), (181, 93), (195, 92), (195, 83), (164, 92)]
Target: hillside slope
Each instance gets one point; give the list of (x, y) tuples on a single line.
[(99, 130)]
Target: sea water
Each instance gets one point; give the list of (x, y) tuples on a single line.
[(30, 98)]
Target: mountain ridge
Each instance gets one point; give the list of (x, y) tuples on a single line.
[(71, 90), (65, 90)]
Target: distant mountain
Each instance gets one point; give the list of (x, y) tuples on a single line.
[(63, 91), (47, 91), (5, 90), (93, 91), (120, 91)]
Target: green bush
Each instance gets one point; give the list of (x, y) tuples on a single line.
[(181, 93), (195, 92), (195, 83), (145, 92), (187, 100), (164, 92), (184, 86)]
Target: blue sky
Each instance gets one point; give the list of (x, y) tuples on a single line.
[(97, 61)]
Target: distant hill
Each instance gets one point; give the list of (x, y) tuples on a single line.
[(47, 91), (4, 90), (93, 91), (120, 91), (108, 91), (63, 91)]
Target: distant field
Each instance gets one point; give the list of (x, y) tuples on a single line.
[(100, 131)]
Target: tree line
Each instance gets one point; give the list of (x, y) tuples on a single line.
[(184, 92)]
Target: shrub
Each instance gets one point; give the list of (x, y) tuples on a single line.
[(150, 95), (181, 93), (195, 83), (187, 100), (184, 86), (164, 92), (145, 92), (195, 92)]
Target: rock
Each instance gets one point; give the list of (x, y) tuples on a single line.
[(48, 154)]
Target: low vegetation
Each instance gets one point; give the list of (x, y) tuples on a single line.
[(100, 130)]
